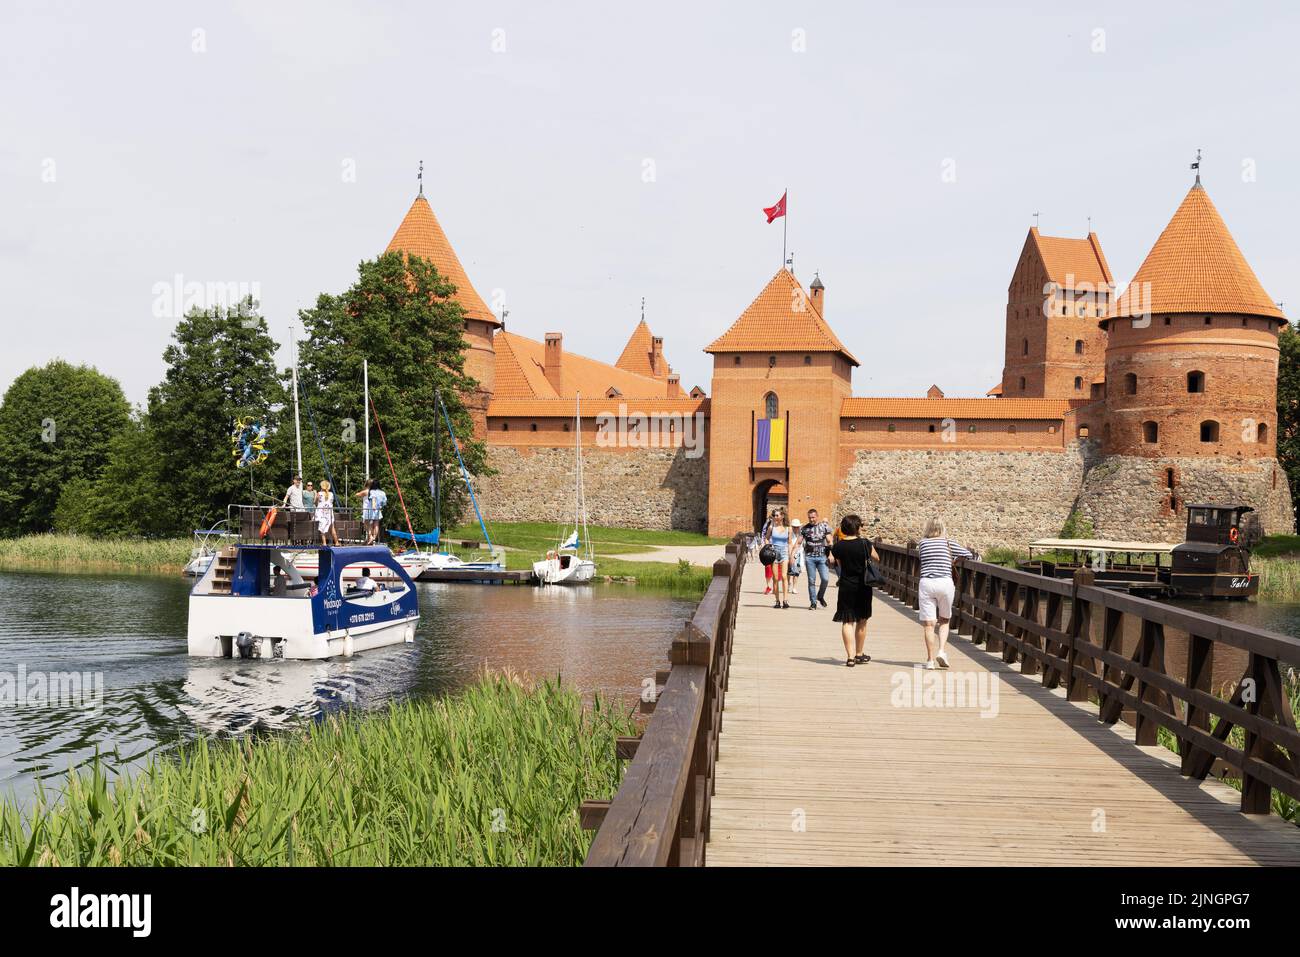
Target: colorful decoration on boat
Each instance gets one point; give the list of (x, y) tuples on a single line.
[(248, 442)]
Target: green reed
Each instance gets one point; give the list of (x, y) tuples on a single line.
[(81, 552), (491, 776)]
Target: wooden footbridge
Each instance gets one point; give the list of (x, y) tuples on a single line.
[(1045, 743)]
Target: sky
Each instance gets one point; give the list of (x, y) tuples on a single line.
[(581, 156)]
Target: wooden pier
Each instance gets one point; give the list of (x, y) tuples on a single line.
[(1039, 747)]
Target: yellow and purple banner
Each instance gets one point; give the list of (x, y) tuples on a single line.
[(769, 440)]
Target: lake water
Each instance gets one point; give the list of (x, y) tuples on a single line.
[(130, 630)]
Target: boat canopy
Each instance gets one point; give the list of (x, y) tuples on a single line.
[(1100, 545), (424, 538)]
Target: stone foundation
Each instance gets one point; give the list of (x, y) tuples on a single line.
[(648, 488), (986, 498), (1127, 496)]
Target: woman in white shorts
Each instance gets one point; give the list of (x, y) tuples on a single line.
[(936, 590)]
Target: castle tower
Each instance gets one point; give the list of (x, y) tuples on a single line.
[(780, 377), (1192, 353), (420, 234), (1054, 349)]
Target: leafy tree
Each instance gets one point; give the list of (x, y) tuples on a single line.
[(56, 425), (220, 367), (1288, 407), (400, 316), (124, 499)]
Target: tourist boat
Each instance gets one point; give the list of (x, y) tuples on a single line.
[(573, 561), (253, 602), (207, 542), (308, 565), (1212, 562)]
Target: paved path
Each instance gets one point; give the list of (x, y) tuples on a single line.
[(695, 554), (817, 765)]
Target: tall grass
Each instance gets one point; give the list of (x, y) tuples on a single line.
[(95, 554), (1279, 578), (491, 776)]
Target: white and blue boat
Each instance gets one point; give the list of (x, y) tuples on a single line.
[(252, 602)]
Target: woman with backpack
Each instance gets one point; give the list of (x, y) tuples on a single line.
[(935, 591), (779, 536), (853, 606)]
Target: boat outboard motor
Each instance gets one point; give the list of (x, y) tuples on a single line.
[(245, 642)]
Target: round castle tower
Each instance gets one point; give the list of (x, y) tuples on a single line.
[(1190, 385)]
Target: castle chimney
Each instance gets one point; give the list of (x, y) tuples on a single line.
[(657, 356), (553, 366), (817, 293), (934, 392), (674, 386)]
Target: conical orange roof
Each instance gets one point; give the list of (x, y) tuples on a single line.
[(782, 319), (637, 352), (1195, 266), (421, 235)]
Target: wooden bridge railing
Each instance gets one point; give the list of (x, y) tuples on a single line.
[(660, 815), (1154, 665)]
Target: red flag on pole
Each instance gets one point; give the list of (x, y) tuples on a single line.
[(774, 212)]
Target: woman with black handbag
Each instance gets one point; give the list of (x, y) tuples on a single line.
[(854, 558)]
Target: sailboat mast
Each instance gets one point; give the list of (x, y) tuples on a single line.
[(297, 424), (365, 385)]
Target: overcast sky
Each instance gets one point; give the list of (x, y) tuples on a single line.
[(582, 156)]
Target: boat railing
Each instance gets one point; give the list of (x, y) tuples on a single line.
[(292, 527)]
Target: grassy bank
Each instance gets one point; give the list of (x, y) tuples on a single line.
[(539, 536), (491, 776), (79, 553)]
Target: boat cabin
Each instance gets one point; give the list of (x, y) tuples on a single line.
[(1216, 524), (1214, 561)]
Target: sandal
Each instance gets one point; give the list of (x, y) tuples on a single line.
[(850, 663), (862, 659)]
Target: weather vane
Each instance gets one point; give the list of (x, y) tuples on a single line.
[(420, 177), (643, 308), (1035, 220), (1197, 166)]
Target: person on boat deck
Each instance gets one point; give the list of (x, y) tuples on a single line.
[(373, 501), (364, 585), (325, 513), (309, 497), (279, 584), (293, 497)]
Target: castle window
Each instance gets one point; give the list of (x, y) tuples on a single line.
[(1011, 429), (931, 426), (1196, 382), (1078, 382), (505, 426), (970, 428), (566, 426), (1024, 348), (807, 360), (1168, 321), (1150, 432), (771, 408), (771, 361), (1169, 478), (1022, 383), (737, 362), (1078, 347), (1083, 311), (853, 426), (1130, 383), (1083, 431), (532, 427), (891, 427), (1261, 433), (1210, 431), (1209, 321), (1244, 322)]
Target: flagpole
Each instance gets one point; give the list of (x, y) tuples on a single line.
[(785, 223)]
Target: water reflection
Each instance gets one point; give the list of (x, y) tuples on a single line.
[(130, 632)]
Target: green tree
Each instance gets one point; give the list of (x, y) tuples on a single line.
[(1288, 407), (220, 368), (124, 499), (56, 425), (400, 316)]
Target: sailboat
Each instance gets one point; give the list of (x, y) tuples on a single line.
[(419, 561), (573, 561)]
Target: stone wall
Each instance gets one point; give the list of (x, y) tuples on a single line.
[(1131, 496), (644, 488), (987, 498)]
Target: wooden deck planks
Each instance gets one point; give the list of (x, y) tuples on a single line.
[(807, 741)]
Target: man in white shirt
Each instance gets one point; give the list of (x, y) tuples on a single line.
[(293, 497)]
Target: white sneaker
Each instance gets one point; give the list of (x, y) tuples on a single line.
[(942, 659), (928, 666)]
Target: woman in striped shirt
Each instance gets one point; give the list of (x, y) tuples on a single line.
[(936, 589)]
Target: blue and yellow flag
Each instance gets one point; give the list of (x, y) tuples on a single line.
[(769, 440)]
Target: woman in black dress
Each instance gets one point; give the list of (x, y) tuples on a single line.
[(853, 607)]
